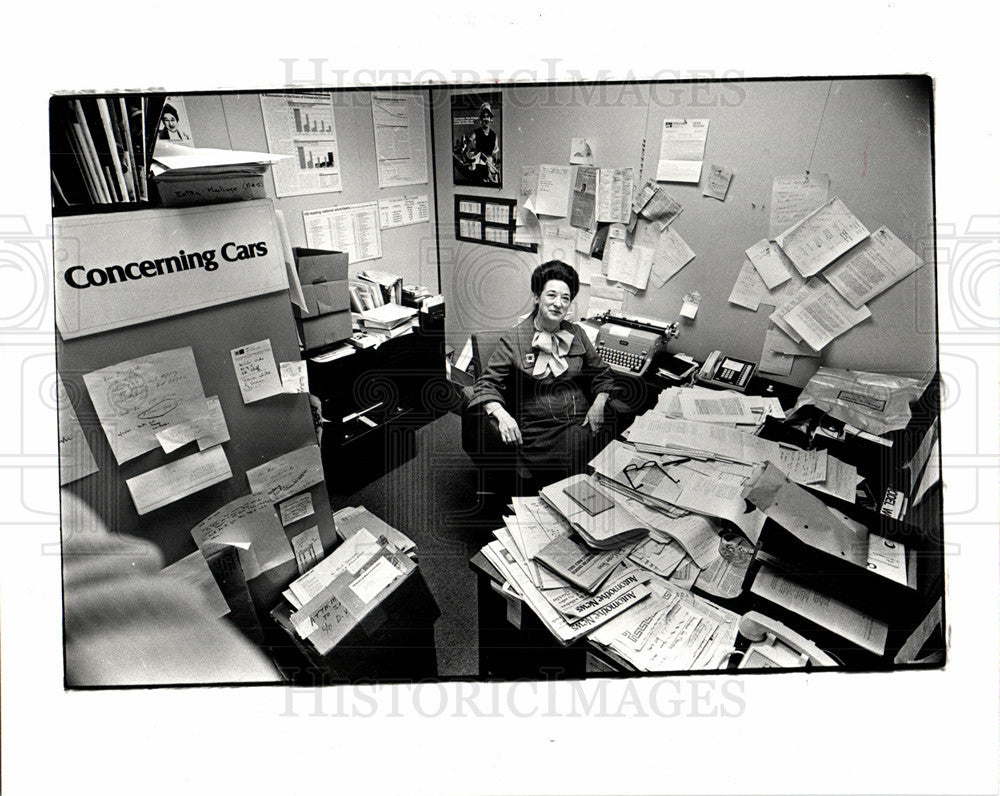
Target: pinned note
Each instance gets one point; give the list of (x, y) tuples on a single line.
[(689, 307), (294, 376), (717, 184), (178, 479), (308, 549), (136, 399), (76, 460), (286, 475), (250, 525), (256, 372), (581, 152), (296, 508)]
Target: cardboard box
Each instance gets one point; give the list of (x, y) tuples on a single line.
[(325, 330), (317, 265), (214, 189), (323, 298)]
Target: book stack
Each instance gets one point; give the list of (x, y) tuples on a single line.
[(389, 320), (414, 295), (101, 148)]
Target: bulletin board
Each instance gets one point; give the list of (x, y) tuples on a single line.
[(259, 431)]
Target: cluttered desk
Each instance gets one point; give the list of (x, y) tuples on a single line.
[(756, 527)]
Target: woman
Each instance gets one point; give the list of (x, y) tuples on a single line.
[(545, 386)]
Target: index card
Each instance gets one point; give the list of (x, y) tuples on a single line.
[(552, 198)]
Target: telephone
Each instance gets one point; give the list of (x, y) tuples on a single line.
[(774, 645), (724, 371), (628, 345)]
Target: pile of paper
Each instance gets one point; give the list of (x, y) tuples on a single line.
[(337, 593)]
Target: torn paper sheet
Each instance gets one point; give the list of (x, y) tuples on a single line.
[(749, 289), (250, 525)]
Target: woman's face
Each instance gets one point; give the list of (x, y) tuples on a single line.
[(170, 121), (553, 302)]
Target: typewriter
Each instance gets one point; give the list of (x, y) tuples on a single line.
[(628, 345)]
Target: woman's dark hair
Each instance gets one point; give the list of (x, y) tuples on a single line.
[(168, 108), (555, 269)]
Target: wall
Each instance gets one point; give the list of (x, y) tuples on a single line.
[(235, 121), (871, 136)]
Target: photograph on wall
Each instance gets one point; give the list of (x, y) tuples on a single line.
[(476, 130), (174, 123)]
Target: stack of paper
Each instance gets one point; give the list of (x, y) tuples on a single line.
[(592, 512), (673, 630), (335, 594)]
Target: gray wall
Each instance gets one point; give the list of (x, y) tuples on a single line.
[(234, 121), (873, 139)]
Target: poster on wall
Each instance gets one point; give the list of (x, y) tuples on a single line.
[(476, 130), (302, 125)]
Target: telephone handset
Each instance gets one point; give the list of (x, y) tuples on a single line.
[(775, 645), (725, 371)]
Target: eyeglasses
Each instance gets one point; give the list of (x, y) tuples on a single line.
[(633, 467)]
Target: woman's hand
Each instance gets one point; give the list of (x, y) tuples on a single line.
[(595, 415), (510, 433)]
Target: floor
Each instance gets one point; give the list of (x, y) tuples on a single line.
[(435, 498)]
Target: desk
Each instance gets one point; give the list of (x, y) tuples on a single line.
[(404, 379), (514, 644)]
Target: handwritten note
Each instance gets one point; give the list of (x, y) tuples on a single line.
[(171, 482), (672, 254), (748, 289), (256, 372), (294, 377), (770, 263), (552, 198), (308, 549), (795, 196), (136, 399), (250, 525), (717, 185), (76, 460), (286, 475), (296, 508)]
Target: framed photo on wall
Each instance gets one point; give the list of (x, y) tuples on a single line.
[(476, 132)]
